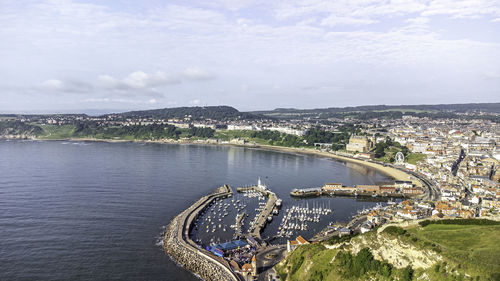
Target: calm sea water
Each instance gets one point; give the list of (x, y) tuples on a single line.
[(95, 211)]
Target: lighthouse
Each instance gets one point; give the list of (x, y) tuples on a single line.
[(261, 185)]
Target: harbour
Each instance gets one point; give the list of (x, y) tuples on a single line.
[(129, 195), (233, 248)]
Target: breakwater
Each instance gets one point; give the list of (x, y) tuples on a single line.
[(182, 249)]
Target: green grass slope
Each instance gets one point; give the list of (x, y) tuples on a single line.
[(462, 252), (474, 249)]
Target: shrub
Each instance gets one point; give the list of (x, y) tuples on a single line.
[(424, 223), (460, 222), (395, 230), (407, 274)]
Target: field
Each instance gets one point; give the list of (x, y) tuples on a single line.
[(413, 158), (476, 248)]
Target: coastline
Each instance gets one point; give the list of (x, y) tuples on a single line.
[(388, 171)]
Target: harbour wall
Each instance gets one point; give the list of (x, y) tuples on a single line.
[(182, 249)]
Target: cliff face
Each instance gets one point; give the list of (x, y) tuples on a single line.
[(395, 251)]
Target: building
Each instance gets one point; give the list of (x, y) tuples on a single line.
[(359, 144), (291, 245), (412, 191), (387, 189), (400, 185), (366, 155), (344, 231), (373, 189), (246, 269), (330, 186)]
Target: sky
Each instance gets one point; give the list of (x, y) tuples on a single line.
[(110, 56)]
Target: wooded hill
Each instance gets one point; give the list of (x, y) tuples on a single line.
[(220, 113)]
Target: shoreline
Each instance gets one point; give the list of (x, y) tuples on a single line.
[(388, 171)]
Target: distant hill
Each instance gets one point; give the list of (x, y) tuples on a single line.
[(196, 113), (457, 108), (388, 111)]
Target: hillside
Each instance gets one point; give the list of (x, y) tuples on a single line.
[(195, 113), (433, 252), (390, 111)]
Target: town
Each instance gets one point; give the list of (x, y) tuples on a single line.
[(443, 168)]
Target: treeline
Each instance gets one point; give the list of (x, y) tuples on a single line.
[(314, 135), (388, 143), (337, 139), (277, 138), (146, 132), (425, 223), (140, 132), (16, 127)]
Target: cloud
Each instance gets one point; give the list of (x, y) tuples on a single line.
[(333, 21), (252, 43), (492, 75), (195, 102), (139, 80), (418, 20), (195, 73), (120, 100), (69, 86), (53, 85)]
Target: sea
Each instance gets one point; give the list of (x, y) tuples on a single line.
[(72, 210)]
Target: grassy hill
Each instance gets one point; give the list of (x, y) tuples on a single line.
[(474, 249), (433, 252)]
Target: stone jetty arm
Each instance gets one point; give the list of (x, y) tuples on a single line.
[(182, 249)]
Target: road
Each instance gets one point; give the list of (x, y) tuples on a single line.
[(267, 258)]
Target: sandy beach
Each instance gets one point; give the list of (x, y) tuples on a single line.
[(389, 171)]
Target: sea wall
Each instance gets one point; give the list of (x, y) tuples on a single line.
[(177, 244)]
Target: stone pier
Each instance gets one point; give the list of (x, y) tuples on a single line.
[(182, 249)]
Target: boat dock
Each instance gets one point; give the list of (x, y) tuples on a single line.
[(237, 228), (261, 219), (266, 211), (252, 188)]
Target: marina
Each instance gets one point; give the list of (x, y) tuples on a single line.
[(230, 226), (256, 211)]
